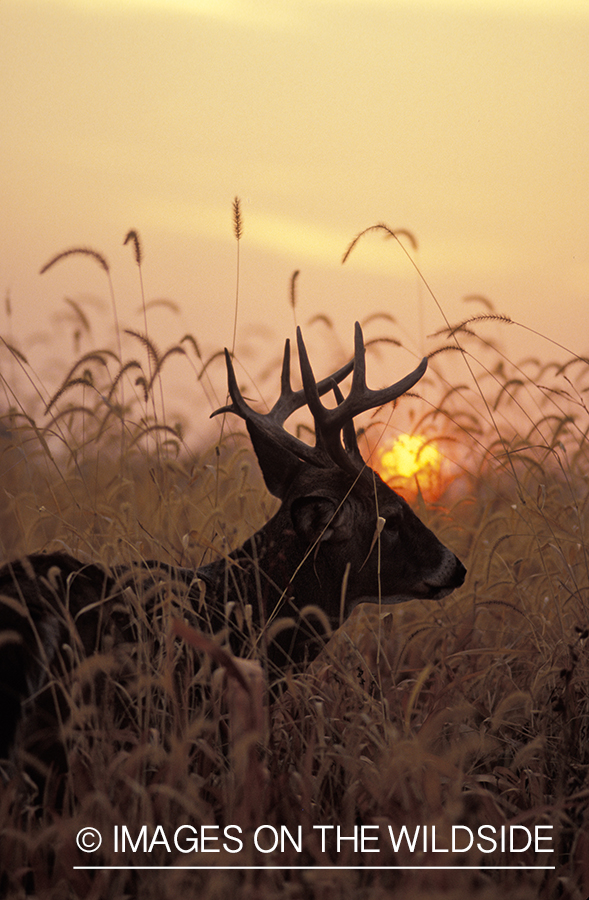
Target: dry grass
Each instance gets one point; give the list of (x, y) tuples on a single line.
[(468, 712)]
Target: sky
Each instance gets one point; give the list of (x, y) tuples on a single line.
[(465, 122)]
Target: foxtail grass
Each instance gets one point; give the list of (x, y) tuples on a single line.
[(467, 712)]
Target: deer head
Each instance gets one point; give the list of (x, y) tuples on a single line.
[(341, 535)]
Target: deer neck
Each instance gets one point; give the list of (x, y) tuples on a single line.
[(274, 575)]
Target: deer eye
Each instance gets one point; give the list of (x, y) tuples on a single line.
[(392, 525)]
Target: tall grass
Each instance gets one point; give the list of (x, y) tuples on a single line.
[(472, 711)]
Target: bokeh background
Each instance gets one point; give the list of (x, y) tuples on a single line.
[(464, 121)]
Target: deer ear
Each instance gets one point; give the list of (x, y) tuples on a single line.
[(279, 465), (318, 518)]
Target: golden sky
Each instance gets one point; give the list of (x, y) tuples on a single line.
[(464, 121)]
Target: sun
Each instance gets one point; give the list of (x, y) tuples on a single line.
[(413, 462)]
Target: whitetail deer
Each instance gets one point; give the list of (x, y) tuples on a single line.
[(341, 536)]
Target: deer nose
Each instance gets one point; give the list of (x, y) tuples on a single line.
[(449, 576), (458, 575)]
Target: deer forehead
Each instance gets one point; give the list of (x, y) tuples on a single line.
[(367, 492)]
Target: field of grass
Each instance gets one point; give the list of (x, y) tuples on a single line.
[(440, 718)]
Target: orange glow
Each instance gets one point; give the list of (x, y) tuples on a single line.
[(154, 114), (410, 462)]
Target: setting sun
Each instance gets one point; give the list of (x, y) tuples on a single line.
[(410, 461)]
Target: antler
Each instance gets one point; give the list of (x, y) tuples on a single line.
[(289, 401), (330, 424)]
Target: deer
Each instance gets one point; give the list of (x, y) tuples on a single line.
[(340, 537)]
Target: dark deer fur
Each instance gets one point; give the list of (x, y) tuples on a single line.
[(341, 536)]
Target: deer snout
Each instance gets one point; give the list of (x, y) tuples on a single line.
[(447, 577)]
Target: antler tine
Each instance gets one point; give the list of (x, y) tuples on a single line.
[(289, 400), (361, 397), (238, 404), (349, 433), (330, 422), (326, 436)]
